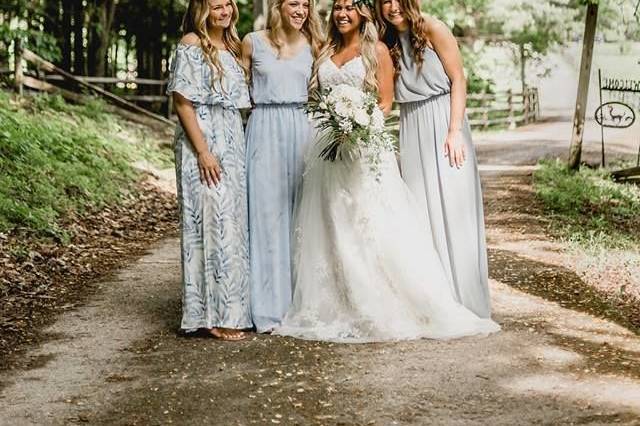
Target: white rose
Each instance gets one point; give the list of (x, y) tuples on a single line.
[(342, 109), (361, 117)]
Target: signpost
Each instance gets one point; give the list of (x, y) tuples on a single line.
[(616, 114)]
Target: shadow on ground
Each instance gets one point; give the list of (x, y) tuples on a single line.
[(511, 206)]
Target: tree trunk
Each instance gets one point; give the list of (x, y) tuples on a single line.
[(79, 63), (103, 13), (583, 86), (260, 9), (65, 45), (52, 18)]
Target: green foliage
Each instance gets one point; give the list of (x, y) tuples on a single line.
[(588, 207), (245, 21), (619, 20), (23, 20), (58, 158)]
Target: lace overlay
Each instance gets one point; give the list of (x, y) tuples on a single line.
[(351, 72), (365, 267)]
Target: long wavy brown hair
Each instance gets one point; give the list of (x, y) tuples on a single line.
[(368, 40), (196, 20), (417, 32), (312, 29)]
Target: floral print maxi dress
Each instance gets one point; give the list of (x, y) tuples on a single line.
[(213, 221)]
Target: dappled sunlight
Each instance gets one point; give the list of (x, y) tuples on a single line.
[(616, 392), (596, 331), (513, 304), (551, 251), (553, 356)]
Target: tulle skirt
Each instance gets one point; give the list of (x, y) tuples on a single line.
[(365, 265)]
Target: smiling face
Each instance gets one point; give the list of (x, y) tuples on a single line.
[(220, 13), (346, 17), (294, 13), (392, 12)]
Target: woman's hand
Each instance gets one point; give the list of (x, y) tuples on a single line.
[(454, 148), (210, 171)]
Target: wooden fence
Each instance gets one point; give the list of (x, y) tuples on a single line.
[(487, 110), (46, 72), (508, 108), (128, 89)]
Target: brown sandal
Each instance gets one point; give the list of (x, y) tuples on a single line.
[(226, 334)]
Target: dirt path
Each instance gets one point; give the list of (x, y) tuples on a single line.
[(118, 359)]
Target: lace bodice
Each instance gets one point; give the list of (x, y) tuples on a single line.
[(351, 72)]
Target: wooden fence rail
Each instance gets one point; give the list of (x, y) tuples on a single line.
[(57, 74), (502, 109), (484, 110)]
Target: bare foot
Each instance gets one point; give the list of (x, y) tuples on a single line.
[(228, 334)]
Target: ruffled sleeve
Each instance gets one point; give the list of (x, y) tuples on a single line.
[(186, 74), (191, 76)]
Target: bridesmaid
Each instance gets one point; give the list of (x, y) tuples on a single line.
[(280, 60), (436, 152), (208, 86)]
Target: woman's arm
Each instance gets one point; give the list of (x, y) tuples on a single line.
[(446, 46), (384, 75), (210, 171), (208, 165)]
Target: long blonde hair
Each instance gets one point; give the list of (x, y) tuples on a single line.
[(368, 40), (312, 29), (196, 20)]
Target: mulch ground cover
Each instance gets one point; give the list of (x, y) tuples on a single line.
[(42, 277)]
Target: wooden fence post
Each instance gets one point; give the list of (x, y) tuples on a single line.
[(18, 70), (485, 112), (512, 122), (527, 105)]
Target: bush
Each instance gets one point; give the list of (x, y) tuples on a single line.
[(588, 207), (57, 159)]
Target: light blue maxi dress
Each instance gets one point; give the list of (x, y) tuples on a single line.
[(277, 136), (213, 221), (451, 197)]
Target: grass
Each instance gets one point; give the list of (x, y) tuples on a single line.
[(57, 159), (588, 208)]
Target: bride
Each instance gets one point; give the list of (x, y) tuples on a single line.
[(365, 266)]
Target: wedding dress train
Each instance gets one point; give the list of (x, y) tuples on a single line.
[(365, 266)]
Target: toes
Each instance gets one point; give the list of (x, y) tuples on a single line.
[(228, 334), (235, 335)]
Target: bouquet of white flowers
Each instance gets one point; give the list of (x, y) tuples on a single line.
[(351, 124)]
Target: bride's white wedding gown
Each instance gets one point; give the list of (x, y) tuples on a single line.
[(365, 265)]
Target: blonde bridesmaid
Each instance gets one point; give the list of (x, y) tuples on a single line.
[(280, 60), (209, 87)]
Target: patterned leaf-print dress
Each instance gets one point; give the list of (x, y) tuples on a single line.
[(214, 236)]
